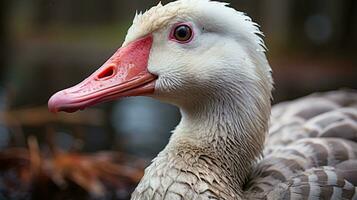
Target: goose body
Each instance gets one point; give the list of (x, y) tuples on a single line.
[(209, 60)]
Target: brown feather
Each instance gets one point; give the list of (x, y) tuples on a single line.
[(311, 152)]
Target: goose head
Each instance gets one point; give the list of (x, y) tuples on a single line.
[(186, 53), (204, 57)]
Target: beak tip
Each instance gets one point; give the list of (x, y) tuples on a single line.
[(61, 102), (51, 106), (55, 102)]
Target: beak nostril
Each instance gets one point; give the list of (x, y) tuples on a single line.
[(106, 73)]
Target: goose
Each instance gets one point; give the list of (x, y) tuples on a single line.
[(209, 60)]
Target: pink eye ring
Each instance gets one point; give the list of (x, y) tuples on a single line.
[(182, 33)]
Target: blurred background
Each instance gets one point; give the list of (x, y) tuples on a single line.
[(48, 45)]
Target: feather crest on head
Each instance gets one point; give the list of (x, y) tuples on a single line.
[(220, 14)]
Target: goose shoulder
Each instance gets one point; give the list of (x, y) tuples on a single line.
[(311, 151), (316, 183), (331, 114)]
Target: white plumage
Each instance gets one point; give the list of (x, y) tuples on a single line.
[(222, 84), (221, 81)]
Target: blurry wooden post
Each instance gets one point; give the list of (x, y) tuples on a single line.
[(38, 117), (3, 38), (349, 28), (276, 20)]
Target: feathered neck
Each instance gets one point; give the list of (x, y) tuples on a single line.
[(227, 129), (233, 127)]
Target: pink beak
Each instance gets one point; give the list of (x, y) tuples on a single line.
[(124, 74)]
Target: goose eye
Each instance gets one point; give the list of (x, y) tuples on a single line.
[(182, 33)]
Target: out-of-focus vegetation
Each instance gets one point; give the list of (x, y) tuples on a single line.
[(48, 45), (30, 174)]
